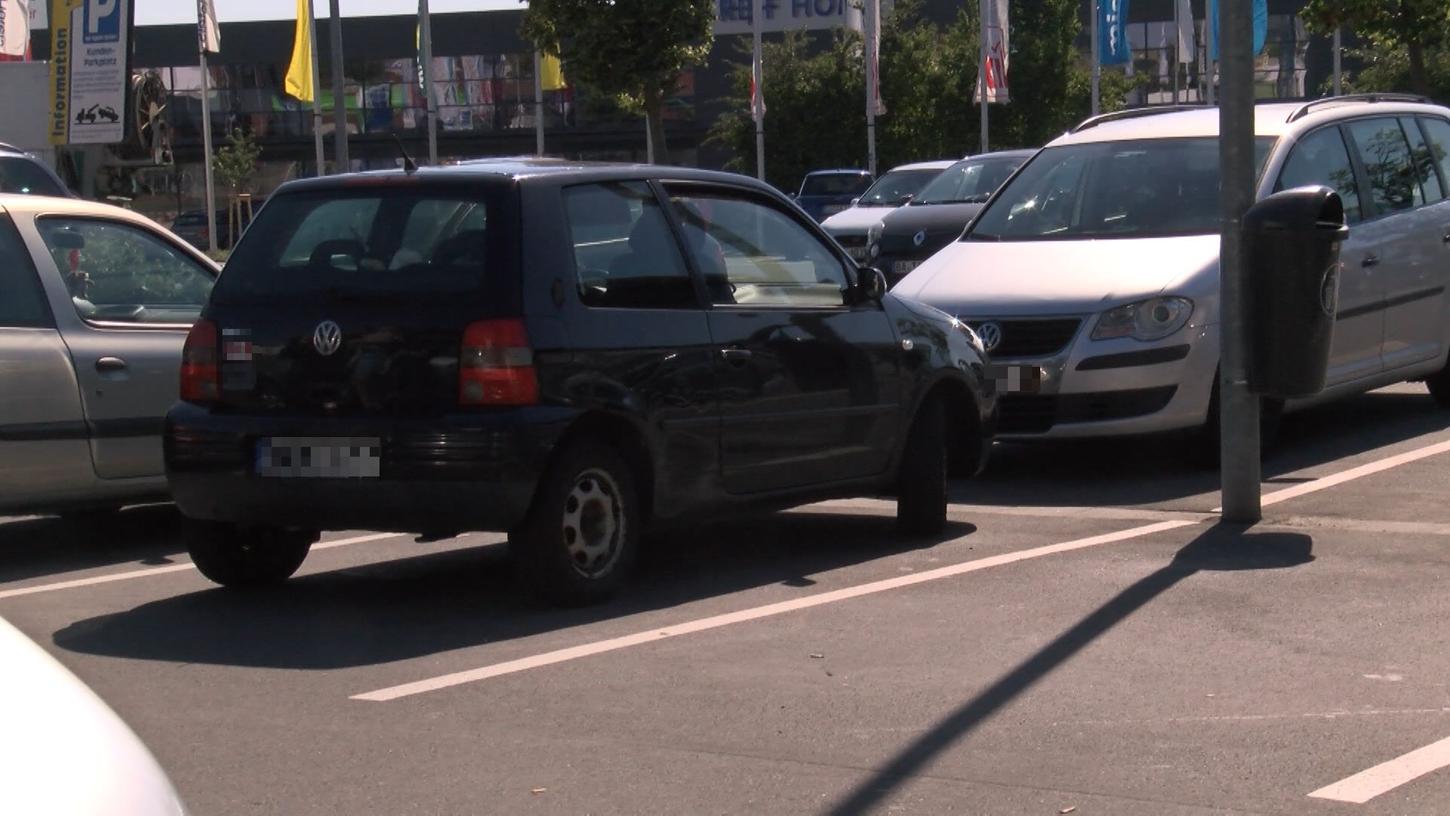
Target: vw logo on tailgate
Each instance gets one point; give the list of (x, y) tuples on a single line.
[(327, 338), (991, 334)]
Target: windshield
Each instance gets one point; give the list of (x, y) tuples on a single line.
[(1130, 189), (374, 242), (896, 187), (835, 184), (972, 181)]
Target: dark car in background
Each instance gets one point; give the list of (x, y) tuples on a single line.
[(938, 214), (571, 353), (22, 173), (191, 227), (824, 193)]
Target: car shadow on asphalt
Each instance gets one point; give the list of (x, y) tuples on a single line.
[(1136, 471), (1222, 547), (412, 607), (35, 547)]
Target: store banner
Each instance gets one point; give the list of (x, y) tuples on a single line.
[(1113, 47), (89, 46), (1261, 27)]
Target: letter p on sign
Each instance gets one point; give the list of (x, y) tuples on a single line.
[(99, 10)]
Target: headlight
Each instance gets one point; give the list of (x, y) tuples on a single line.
[(873, 239), (1145, 320), (972, 338)]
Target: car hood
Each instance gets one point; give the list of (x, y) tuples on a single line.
[(1064, 277), (856, 219), (934, 218)]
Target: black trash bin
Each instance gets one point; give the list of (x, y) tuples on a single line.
[(1291, 249)]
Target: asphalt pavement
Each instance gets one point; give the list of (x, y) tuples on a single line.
[(1085, 638)]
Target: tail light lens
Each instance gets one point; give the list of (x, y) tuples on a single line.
[(496, 365), (200, 375)]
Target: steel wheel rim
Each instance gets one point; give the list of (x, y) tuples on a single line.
[(593, 523)]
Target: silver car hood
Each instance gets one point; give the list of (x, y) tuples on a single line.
[(1066, 277), (855, 220)]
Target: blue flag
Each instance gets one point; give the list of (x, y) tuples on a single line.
[(1113, 46), (1261, 26)]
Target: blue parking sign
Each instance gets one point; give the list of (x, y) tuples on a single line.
[(101, 21)]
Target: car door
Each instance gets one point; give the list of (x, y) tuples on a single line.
[(1437, 230), (42, 428), (1414, 283), (1322, 158), (808, 382), (124, 296)]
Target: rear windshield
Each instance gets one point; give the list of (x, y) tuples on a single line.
[(968, 182), (20, 175), (835, 184), (377, 242), (897, 187)]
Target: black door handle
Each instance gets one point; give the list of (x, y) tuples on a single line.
[(1370, 261), (735, 355), (1446, 237), (109, 364)]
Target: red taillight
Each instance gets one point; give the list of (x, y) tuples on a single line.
[(200, 376), (496, 365)]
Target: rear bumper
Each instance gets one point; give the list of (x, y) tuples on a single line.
[(465, 472)]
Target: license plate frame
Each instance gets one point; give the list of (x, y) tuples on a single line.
[(314, 457)]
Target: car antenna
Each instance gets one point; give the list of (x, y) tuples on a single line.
[(409, 166)]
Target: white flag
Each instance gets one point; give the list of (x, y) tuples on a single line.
[(14, 27), (208, 36), (994, 68), (1184, 16), (757, 94)]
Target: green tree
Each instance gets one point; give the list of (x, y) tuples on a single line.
[(1417, 27), (631, 49), (236, 164)]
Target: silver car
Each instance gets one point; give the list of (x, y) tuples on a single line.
[(1092, 276), (95, 303)]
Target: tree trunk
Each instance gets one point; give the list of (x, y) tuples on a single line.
[(1419, 82), (654, 105)]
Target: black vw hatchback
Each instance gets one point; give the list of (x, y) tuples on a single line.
[(574, 354)]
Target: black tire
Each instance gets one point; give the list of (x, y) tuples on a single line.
[(1439, 385), (246, 557), (1204, 447), (581, 538), (921, 491)]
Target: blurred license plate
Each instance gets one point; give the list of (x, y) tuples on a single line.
[(902, 267), (319, 457), (857, 253), (1018, 379)]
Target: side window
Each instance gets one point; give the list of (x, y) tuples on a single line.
[(1320, 158), (120, 273), (1423, 162), (1438, 146), (756, 255), (625, 255), (22, 301), (1386, 157)]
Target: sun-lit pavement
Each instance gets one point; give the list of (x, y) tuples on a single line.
[(1084, 636)]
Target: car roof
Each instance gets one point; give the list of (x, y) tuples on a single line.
[(522, 169), (999, 154), (926, 165), (843, 171), (1272, 119), (56, 205)]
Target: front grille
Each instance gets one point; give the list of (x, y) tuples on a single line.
[(849, 241), (1036, 413), (1039, 337)]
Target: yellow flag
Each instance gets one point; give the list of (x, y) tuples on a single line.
[(299, 71), (551, 73)]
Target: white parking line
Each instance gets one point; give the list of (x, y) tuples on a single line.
[(1369, 469), (1387, 776), (744, 615), (153, 571)]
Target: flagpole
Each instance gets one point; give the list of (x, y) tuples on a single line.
[(1177, 41), (206, 155), (339, 106), (538, 103), (982, 69), (757, 76), (426, 23), (316, 86), (1338, 66), (1097, 70), (873, 20)]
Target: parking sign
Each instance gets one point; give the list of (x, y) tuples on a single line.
[(89, 68)]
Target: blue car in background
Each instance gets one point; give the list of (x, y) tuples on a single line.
[(824, 193)]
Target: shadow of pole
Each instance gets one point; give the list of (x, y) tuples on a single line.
[(1221, 548)]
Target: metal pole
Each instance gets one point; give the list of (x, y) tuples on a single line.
[(538, 103), (316, 91), (1097, 73), (206, 155), (873, 9), (1239, 409), (426, 46), (1338, 62), (1177, 59), (982, 71), (757, 74), (339, 107)]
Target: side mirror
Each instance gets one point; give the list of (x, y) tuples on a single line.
[(794, 196), (870, 284), (855, 201)]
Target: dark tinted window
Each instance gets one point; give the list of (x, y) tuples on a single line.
[(1386, 157), (22, 175), (371, 243), (1439, 145), (120, 273), (971, 181), (894, 187), (835, 184), (22, 301), (1321, 158), (624, 252)]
